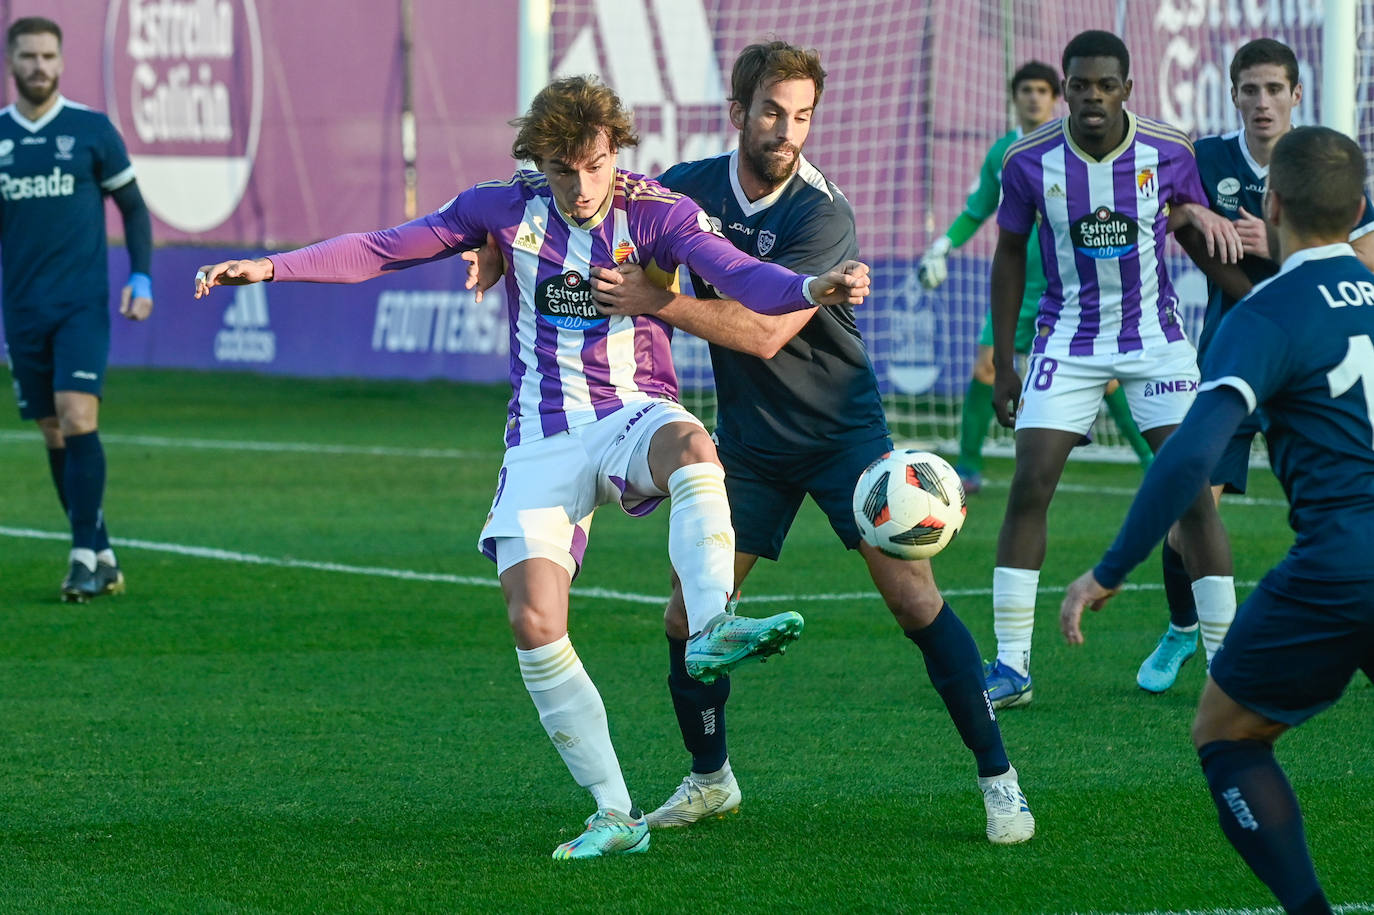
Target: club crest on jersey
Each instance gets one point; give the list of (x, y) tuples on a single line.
[(1228, 194), (1145, 182), (65, 145), (625, 252), (766, 241), (565, 300), (1104, 234)]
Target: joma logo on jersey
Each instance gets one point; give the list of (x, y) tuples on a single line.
[(56, 184), (1181, 386)]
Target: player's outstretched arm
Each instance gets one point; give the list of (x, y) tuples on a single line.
[(627, 290), (232, 273), (1084, 594), (847, 284), (1220, 236)]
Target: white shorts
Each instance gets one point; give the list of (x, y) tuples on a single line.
[(1065, 392), (548, 489)]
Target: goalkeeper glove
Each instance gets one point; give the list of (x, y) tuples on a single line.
[(933, 270)]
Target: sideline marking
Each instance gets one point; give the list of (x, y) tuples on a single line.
[(207, 552)]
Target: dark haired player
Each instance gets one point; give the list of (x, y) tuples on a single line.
[(1265, 89), (58, 160), (1301, 346), (1034, 90), (1104, 186), (799, 414)]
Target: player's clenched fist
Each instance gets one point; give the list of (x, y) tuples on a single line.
[(847, 284), (232, 273)]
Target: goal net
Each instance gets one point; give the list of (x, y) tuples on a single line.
[(916, 93)]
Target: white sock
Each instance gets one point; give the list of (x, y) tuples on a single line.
[(85, 557), (1013, 615), (701, 542), (1215, 597), (106, 557), (574, 717)]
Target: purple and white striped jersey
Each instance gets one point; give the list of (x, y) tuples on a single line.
[(1102, 230), (570, 364)]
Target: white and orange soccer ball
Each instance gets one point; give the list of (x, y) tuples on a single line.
[(909, 504)]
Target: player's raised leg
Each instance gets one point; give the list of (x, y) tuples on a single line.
[(956, 671), (701, 544), (535, 580), (1021, 545)]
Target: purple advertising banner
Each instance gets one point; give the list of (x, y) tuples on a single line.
[(259, 125)]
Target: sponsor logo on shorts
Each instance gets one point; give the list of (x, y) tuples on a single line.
[(85, 376), (1181, 386)]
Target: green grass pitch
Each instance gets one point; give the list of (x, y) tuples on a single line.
[(252, 730)]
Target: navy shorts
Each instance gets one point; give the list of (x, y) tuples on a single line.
[(1233, 470), (1295, 645), (766, 491), (66, 349)]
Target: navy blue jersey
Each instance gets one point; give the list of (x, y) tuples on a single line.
[(1302, 347), (54, 173), (819, 391), (1234, 180)]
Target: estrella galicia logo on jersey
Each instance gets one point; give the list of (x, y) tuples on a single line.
[(565, 300), (766, 241), (55, 184), (1104, 234), (65, 145)]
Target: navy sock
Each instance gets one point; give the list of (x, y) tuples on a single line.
[(1178, 588), (700, 709), (57, 464), (956, 672), (1260, 816), (83, 484)]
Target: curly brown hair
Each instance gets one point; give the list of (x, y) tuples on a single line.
[(567, 116)]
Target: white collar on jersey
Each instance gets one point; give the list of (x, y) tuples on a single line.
[(44, 121), (1261, 171), (1298, 258), (809, 173)]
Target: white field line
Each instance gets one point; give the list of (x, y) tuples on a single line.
[(211, 444), (207, 552), (1349, 908)]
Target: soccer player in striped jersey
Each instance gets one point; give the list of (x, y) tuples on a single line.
[(1300, 346), (58, 161), (1233, 167), (1034, 90), (594, 416), (799, 415), (1105, 186)]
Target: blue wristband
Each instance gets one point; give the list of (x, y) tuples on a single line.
[(141, 285)]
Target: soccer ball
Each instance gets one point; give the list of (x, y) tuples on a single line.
[(909, 504)]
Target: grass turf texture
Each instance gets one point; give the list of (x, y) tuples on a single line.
[(231, 737)]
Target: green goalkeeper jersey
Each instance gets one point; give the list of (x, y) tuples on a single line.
[(982, 205)]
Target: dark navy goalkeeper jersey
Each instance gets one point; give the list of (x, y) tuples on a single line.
[(54, 173), (1233, 179), (1301, 345), (819, 391)]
